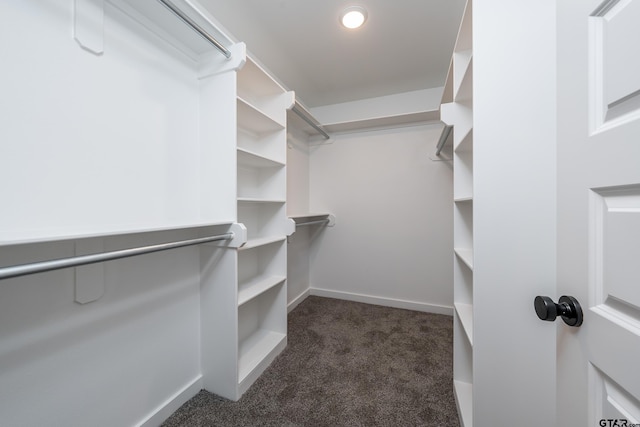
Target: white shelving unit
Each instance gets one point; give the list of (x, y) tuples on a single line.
[(262, 262), (457, 111), (304, 132), (251, 318)]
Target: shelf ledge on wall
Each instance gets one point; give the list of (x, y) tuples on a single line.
[(314, 219), (57, 234), (419, 117), (299, 117), (411, 108)]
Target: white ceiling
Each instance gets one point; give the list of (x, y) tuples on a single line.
[(405, 45)]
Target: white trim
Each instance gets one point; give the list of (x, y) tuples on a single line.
[(164, 411), (297, 300), (387, 302)]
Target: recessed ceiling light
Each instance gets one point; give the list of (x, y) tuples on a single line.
[(353, 17)]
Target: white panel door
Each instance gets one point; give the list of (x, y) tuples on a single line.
[(598, 380)]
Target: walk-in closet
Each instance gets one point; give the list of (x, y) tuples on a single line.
[(219, 212)]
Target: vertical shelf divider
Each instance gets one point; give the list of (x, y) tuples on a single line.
[(261, 290), (457, 111)]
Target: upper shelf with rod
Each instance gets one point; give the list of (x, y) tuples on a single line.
[(196, 27), (235, 236), (300, 118), (180, 22), (314, 219)]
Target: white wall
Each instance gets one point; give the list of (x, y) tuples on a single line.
[(119, 112), (111, 362), (392, 242), (297, 204)]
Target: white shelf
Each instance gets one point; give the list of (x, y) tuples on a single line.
[(463, 195), (460, 116), (308, 216), (38, 236), (466, 255), (255, 349), (255, 83), (254, 120), (447, 93), (261, 184), (465, 313), (295, 121), (251, 159), (160, 20), (463, 72), (464, 124), (384, 122), (464, 199), (466, 144), (463, 280), (262, 241), (267, 145), (256, 286), (463, 174), (464, 400), (259, 200), (463, 226)]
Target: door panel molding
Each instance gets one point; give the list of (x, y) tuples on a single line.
[(609, 400), (614, 73)]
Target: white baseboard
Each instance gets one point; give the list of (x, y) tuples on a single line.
[(172, 404), (387, 302), (297, 300)]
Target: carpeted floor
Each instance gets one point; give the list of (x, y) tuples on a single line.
[(346, 364)]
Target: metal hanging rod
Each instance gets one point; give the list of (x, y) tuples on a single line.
[(320, 221), (57, 264), (197, 28), (443, 138), (304, 117)]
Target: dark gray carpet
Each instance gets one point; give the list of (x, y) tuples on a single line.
[(346, 364)]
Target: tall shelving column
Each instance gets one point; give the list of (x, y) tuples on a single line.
[(262, 106), (457, 111), (244, 308)]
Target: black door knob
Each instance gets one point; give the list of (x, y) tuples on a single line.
[(567, 307)]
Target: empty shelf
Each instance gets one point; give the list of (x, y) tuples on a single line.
[(466, 255), (262, 241), (255, 160), (255, 120), (259, 200), (465, 314), (313, 218), (256, 348), (464, 399), (256, 286), (463, 199)]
